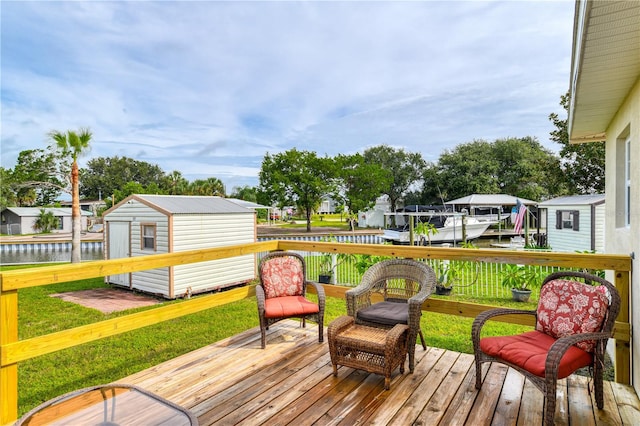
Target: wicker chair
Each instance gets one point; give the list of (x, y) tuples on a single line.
[(282, 291), (404, 285), (567, 337)]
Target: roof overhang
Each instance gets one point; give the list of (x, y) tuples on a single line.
[(605, 65)]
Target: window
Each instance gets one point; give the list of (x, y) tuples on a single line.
[(148, 237), (60, 223), (622, 173), (627, 173), (568, 219)]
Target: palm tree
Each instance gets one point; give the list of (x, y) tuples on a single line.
[(46, 221), (73, 144)]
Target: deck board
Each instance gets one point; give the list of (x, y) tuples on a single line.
[(234, 381)]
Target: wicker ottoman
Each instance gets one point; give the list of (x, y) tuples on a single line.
[(375, 350)]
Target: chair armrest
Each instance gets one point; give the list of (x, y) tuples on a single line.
[(337, 326), (260, 296), (319, 291), (562, 345), (483, 317), (415, 302), (357, 298)]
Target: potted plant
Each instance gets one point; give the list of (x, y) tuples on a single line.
[(521, 279), (453, 272), (425, 230), (446, 279), (326, 269)]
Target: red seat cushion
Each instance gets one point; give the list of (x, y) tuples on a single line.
[(529, 351), (289, 306)]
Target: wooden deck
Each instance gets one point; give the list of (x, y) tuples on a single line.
[(291, 382)]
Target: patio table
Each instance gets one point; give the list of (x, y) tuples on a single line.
[(109, 405)]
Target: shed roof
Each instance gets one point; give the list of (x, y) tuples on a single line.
[(247, 204), (574, 200), (35, 211), (490, 200), (190, 204)]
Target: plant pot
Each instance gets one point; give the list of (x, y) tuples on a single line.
[(324, 279), (520, 295), (443, 291)]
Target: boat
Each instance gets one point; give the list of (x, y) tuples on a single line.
[(448, 226)]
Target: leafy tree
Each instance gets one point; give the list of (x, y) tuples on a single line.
[(46, 221), (583, 164), (40, 175), (526, 169), (246, 193), (127, 189), (72, 144), (296, 177), (469, 168), (7, 194), (174, 183), (515, 166), (358, 183), (104, 175), (209, 186), (405, 168)]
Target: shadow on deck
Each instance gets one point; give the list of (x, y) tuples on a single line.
[(291, 382)]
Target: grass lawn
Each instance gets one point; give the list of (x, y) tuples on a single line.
[(110, 359)]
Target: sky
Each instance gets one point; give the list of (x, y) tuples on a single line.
[(208, 88)]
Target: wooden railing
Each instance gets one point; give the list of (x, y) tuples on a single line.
[(13, 351)]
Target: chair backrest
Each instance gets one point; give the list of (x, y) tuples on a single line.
[(283, 274), (399, 279), (570, 303)]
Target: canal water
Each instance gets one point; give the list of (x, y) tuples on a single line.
[(47, 256)]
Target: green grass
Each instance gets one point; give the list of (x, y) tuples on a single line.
[(113, 358), (317, 221)]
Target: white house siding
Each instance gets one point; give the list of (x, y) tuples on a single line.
[(192, 232), (624, 239)]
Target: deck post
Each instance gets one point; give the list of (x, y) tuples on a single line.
[(623, 348), (9, 372)]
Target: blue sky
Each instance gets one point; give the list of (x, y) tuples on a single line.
[(207, 88)]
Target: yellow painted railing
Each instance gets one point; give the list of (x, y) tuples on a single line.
[(13, 351)]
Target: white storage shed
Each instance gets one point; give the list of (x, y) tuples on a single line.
[(575, 223), (144, 225)]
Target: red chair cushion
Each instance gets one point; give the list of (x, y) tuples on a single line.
[(568, 307), (282, 276), (289, 306), (529, 351)]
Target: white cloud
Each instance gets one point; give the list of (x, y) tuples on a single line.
[(208, 87)]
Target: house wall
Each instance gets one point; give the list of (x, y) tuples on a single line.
[(11, 223), (26, 223), (622, 239), (569, 240), (192, 232), (155, 281)]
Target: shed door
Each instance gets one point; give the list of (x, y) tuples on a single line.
[(119, 246)]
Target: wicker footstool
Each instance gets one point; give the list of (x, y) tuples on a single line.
[(375, 350)]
